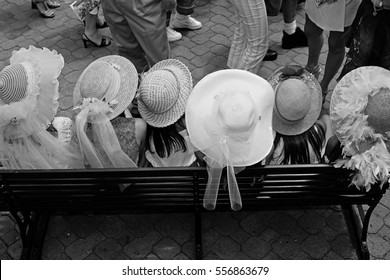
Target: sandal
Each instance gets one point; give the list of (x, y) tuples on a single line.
[(98, 26), (316, 70), (42, 8), (52, 4), (103, 43)]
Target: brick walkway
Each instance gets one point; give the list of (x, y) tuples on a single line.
[(315, 233)]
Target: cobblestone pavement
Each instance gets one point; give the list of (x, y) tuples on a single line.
[(311, 233)]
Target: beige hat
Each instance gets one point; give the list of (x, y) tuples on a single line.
[(360, 113), (163, 93), (298, 100), (111, 78)]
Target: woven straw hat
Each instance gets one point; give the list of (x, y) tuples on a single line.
[(112, 78), (298, 100), (163, 93), (29, 89), (362, 94), (229, 117)]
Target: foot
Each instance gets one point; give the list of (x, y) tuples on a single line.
[(186, 22), (173, 35), (295, 40), (271, 55), (52, 4), (96, 39)]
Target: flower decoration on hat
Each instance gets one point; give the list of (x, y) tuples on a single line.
[(360, 112)]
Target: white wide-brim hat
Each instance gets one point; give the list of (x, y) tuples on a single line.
[(111, 78), (29, 90), (298, 100), (229, 116), (163, 92)]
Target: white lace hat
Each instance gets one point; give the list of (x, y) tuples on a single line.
[(29, 90), (229, 119), (163, 92), (111, 78)]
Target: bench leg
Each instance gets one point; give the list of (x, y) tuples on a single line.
[(198, 234), (32, 228), (361, 221)]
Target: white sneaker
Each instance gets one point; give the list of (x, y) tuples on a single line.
[(173, 35), (188, 22)]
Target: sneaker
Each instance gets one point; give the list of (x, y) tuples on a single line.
[(173, 35), (295, 40), (188, 23)]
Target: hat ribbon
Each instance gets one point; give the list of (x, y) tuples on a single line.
[(214, 169), (106, 136), (291, 71)]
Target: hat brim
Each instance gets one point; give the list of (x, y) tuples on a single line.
[(127, 89), (199, 114), (170, 116), (350, 97), (286, 127)]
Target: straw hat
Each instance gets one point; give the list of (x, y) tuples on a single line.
[(298, 100), (111, 78), (163, 93), (29, 90), (360, 113), (232, 107)]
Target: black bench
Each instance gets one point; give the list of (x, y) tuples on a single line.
[(31, 196)]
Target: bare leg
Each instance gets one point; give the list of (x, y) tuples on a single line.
[(315, 41), (334, 59)]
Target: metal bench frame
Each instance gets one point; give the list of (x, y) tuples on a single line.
[(31, 196)]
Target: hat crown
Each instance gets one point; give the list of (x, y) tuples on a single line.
[(378, 110), (13, 83), (237, 113), (293, 99), (97, 81), (159, 91)]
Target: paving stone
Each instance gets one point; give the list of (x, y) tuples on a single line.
[(6, 224), (11, 237), (52, 249), (15, 250), (384, 232), (331, 255), (151, 256), (316, 246), (286, 225), (112, 226), (92, 256), (226, 248), (81, 248), (342, 245), (181, 256), (286, 247), (378, 246), (83, 226), (212, 256), (256, 222), (336, 222), (381, 210), (170, 226), (311, 222), (228, 226), (108, 249), (376, 223), (256, 248), (209, 238), (166, 248), (188, 248), (272, 256), (138, 248), (3, 247)]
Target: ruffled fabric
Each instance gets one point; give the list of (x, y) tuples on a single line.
[(365, 150), (46, 68)]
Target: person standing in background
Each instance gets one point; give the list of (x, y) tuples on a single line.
[(138, 30), (181, 19), (250, 40)]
